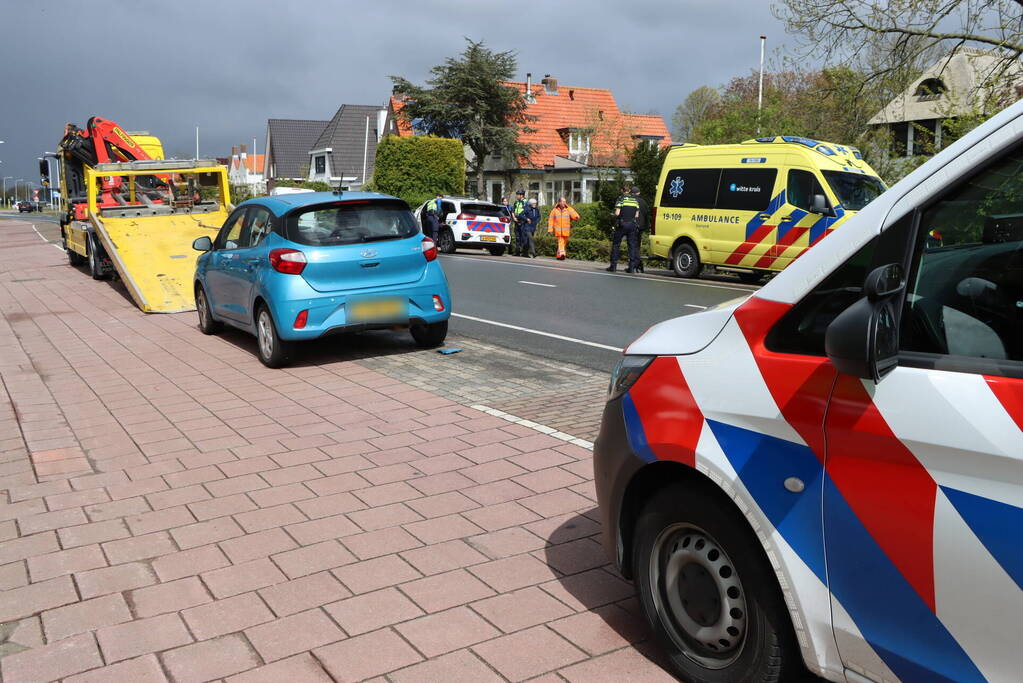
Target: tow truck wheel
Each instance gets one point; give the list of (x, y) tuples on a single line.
[(274, 352), (446, 241), (207, 324), (709, 593), (685, 261), (95, 265), (73, 257)]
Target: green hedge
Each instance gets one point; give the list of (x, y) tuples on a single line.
[(585, 247), (592, 216), (419, 167)]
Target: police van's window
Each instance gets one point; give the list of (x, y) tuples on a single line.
[(965, 294), (746, 189), (694, 188), (854, 190), (801, 187)]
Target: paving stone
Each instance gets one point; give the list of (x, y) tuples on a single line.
[(363, 657), (520, 609), (241, 578), (142, 636), (189, 562), (227, 616), (259, 544), (442, 557), (370, 611), (210, 659), (623, 665), (169, 597), (139, 547), (371, 575), (442, 591), (294, 634), (436, 634), (303, 667), (53, 661), (304, 593), (36, 597), (602, 630), (529, 653), (28, 546), (114, 579), (145, 669), (85, 616), (313, 558), (63, 562)]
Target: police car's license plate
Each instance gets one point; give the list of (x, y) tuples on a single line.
[(487, 238), (376, 310)]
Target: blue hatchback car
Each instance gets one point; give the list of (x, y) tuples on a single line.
[(301, 266)]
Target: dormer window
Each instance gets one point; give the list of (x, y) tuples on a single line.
[(930, 89), (579, 145)]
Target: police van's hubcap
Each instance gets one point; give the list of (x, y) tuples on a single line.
[(698, 596)]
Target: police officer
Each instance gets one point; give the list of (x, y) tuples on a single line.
[(627, 215), (433, 216), (643, 220), (520, 247)]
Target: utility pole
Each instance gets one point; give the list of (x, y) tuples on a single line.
[(3, 198), (760, 90), (197, 142), (365, 154)]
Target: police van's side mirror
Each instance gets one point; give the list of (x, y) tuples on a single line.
[(819, 204), (863, 341)]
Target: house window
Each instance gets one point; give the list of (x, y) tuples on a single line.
[(579, 146), (577, 191), (534, 192), (549, 194), (321, 165), (930, 89)]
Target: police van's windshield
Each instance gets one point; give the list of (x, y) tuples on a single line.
[(854, 190)]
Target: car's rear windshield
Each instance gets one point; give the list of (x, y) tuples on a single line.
[(350, 222), (854, 190), (484, 210)]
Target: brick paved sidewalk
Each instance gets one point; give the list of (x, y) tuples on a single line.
[(171, 510)]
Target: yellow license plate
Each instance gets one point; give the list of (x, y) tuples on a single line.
[(375, 310), (488, 238)]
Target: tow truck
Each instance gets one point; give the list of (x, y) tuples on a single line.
[(133, 215)]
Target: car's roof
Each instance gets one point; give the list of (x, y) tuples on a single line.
[(282, 203)]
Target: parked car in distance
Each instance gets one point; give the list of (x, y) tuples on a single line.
[(25, 207), (469, 223), (303, 266)]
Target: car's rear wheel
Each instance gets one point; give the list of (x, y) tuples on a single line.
[(207, 323), (709, 593), (274, 352), (496, 251), (96, 269), (446, 241), (685, 261), (430, 335)]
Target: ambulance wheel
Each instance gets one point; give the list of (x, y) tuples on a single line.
[(95, 264), (685, 261), (446, 241), (750, 277), (274, 352), (496, 251), (709, 593), (430, 335), (207, 323)]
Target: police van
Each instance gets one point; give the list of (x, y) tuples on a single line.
[(753, 208), (829, 474)]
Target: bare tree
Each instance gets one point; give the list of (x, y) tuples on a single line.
[(693, 111), (886, 37)]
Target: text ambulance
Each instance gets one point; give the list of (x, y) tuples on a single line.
[(829, 474), (754, 207)]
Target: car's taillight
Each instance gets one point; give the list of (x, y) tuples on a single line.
[(466, 217), (289, 261), (505, 219), (653, 221), (438, 303), (301, 319), (429, 249)]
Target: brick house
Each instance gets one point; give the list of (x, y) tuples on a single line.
[(578, 136)]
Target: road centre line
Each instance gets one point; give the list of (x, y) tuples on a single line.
[(542, 334), (538, 284), (674, 281)]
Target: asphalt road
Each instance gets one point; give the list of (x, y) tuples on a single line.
[(572, 312)]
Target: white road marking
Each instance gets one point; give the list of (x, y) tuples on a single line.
[(542, 334), (649, 278), (44, 239), (543, 429), (702, 308), (538, 284)]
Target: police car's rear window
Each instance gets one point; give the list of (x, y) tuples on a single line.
[(350, 222), (484, 210)]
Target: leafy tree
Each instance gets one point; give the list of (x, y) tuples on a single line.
[(417, 168), (693, 111), (646, 161), (314, 185), (466, 98)]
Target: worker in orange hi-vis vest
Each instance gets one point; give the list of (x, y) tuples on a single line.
[(559, 224)]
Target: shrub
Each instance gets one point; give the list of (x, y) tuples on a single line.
[(584, 247), (314, 185), (419, 167)]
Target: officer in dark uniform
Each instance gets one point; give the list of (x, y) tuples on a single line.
[(520, 247), (643, 220), (627, 215), (433, 216)]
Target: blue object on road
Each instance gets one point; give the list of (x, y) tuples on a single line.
[(448, 352)]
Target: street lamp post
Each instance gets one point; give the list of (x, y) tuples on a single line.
[(3, 197), (16, 195)]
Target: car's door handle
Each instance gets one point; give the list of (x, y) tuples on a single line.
[(786, 218)]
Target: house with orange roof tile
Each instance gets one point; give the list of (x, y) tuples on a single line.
[(576, 136), (246, 169)]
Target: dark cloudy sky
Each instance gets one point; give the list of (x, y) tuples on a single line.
[(229, 65)]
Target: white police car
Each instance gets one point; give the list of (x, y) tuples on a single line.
[(469, 223)]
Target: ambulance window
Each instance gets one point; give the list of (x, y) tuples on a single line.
[(694, 188), (801, 188), (964, 301), (746, 189)]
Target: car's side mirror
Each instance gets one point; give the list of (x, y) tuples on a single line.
[(863, 341), (203, 243), (819, 204)]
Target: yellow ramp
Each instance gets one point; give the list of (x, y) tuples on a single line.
[(154, 255)]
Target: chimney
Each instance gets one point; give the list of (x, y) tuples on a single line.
[(529, 88), (550, 84), (571, 94), (234, 151)]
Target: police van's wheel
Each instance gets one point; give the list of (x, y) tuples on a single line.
[(274, 352), (496, 251), (207, 323), (685, 261), (446, 241), (95, 264), (709, 593), (430, 335)]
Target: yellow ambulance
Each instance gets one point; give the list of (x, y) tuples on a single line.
[(752, 208)]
